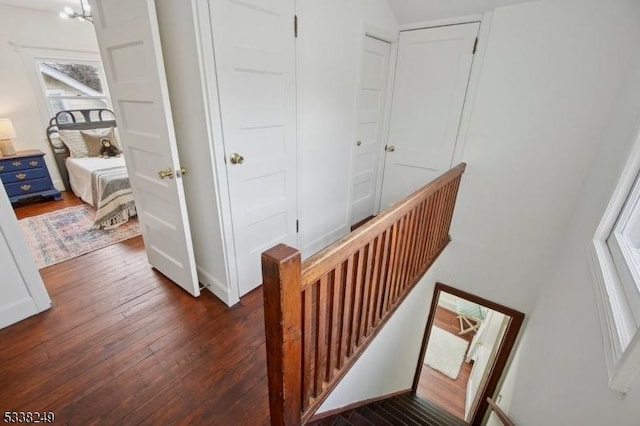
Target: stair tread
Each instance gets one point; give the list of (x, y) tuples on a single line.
[(392, 414), (341, 421), (433, 409), (402, 410), (373, 417), (417, 413), (358, 419)]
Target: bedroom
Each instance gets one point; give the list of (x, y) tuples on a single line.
[(52, 65)]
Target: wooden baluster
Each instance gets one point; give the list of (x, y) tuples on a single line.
[(347, 306), (390, 270), (424, 256), (334, 327), (435, 242), (382, 281), (442, 212), (283, 328), (364, 293), (397, 267), (358, 299), (445, 212), (420, 240), (321, 328), (369, 288), (452, 202), (355, 302), (408, 252), (307, 346)]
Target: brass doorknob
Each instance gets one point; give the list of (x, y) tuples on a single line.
[(389, 148), (236, 158), (166, 173)]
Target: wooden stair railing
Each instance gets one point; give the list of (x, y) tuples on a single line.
[(320, 315), (506, 421)]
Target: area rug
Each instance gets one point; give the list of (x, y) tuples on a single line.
[(67, 233), (445, 352)]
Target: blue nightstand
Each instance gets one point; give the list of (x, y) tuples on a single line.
[(25, 176)]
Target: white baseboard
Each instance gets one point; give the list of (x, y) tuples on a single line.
[(17, 311), (216, 287)]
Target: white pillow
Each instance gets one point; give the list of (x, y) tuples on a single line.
[(75, 142)]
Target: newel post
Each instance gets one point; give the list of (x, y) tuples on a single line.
[(283, 329)]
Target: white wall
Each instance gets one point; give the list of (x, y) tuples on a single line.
[(547, 87), (19, 99), (561, 376), (330, 35), (551, 77)]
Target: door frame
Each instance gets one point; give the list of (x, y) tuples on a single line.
[(204, 35), (370, 30), (206, 58), (503, 354), (484, 20)]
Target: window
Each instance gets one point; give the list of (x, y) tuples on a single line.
[(66, 78), (72, 85), (624, 244), (616, 266)]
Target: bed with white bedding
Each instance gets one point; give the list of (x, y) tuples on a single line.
[(104, 184), (100, 182), (81, 169)]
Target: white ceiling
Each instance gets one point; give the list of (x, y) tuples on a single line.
[(51, 5), (410, 11), (406, 11)]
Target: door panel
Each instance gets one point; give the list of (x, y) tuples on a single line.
[(368, 145), (255, 65), (129, 41), (431, 79)]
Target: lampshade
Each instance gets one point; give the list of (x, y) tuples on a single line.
[(6, 129)]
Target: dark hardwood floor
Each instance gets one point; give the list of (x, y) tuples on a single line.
[(36, 207), (124, 345), (448, 393)]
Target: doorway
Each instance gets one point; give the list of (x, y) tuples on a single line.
[(466, 345), (370, 127), (70, 118), (431, 79)]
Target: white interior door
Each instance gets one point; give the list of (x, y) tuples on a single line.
[(431, 79), (127, 32), (374, 70), (255, 63), (22, 292)]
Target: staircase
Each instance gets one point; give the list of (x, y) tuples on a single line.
[(322, 314), (404, 410)]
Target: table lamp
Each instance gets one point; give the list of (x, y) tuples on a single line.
[(7, 133)]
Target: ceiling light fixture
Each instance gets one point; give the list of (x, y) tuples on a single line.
[(83, 15)]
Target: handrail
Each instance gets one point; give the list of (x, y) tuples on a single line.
[(320, 315), (506, 421)]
